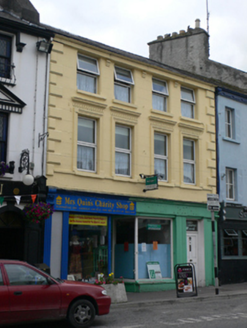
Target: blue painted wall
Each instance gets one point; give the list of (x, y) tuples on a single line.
[(231, 152)]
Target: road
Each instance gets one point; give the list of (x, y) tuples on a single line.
[(185, 313)]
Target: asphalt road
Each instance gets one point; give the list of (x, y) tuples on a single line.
[(186, 313)]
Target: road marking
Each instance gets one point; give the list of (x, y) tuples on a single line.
[(133, 326)]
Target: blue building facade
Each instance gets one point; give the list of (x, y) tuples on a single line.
[(231, 113)]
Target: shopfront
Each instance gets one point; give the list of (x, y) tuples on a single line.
[(139, 240), (233, 246)]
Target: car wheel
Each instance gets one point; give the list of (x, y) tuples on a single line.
[(81, 314)]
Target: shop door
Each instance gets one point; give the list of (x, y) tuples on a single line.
[(192, 246), (11, 236)]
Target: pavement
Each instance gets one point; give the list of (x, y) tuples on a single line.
[(170, 296)]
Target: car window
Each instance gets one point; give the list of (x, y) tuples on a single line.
[(22, 275), (1, 278)]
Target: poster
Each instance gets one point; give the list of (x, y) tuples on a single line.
[(184, 279), (154, 271)]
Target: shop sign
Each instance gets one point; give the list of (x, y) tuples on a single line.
[(88, 220), (154, 271), (154, 227), (94, 205), (185, 280)]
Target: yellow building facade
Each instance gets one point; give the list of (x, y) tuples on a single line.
[(115, 118), (67, 103)]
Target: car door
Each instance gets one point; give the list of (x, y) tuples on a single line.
[(4, 300), (31, 294)]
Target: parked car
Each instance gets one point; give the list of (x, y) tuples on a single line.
[(29, 294)]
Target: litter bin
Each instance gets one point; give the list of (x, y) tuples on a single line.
[(43, 267)]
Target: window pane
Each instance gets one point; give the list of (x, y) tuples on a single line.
[(244, 243), (160, 168), (188, 148), (187, 109), (187, 94), (86, 82), (22, 275), (160, 144), (159, 86), (88, 64), (85, 158), (122, 163), (159, 102), (189, 173), (86, 130), (230, 245), (123, 75), (122, 92), (122, 137)]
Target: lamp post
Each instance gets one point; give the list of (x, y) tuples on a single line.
[(28, 179)]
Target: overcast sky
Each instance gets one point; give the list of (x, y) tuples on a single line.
[(130, 24)]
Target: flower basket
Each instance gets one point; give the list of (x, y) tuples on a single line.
[(3, 168), (37, 213)]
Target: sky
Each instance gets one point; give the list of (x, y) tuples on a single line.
[(130, 24)]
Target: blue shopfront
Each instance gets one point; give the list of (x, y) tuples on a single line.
[(78, 235)]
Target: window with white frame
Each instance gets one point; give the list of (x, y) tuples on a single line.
[(189, 161), (122, 84), (234, 242), (160, 156), (5, 56), (230, 184), (229, 131), (3, 136), (160, 93), (86, 144), (187, 103), (87, 73), (122, 150)]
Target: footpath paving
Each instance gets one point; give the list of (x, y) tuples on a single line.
[(231, 290)]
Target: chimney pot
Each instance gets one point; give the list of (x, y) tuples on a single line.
[(159, 37), (197, 21)]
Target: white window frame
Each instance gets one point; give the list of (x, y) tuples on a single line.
[(89, 144), (123, 150), (162, 157), (230, 183), (188, 102), (118, 81), (229, 123), (160, 94), (87, 72), (190, 162)]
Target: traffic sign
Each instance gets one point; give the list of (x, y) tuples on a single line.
[(213, 202)]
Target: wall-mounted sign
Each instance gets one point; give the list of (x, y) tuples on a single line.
[(94, 205), (151, 182)]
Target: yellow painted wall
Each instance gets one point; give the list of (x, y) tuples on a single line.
[(66, 103)]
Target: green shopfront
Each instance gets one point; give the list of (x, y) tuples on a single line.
[(140, 240)]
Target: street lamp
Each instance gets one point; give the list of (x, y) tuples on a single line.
[(28, 179)]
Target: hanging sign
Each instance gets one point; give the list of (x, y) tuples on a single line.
[(151, 182)]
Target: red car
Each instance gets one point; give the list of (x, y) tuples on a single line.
[(29, 294)]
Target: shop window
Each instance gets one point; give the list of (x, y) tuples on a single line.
[(160, 156), (187, 103), (122, 84), (154, 245), (5, 56), (230, 239), (122, 150), (87, 73), (159, 97), (86, 144), (88, 246), (189, 161), (124, 248)]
